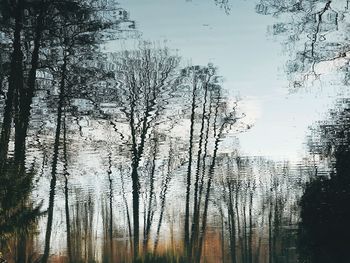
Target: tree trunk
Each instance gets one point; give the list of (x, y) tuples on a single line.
[(127, 211), (135, 207), (231, 218), (15, 84), (250, 239), (189, 168), (110, 206), (26, 95), (163, 198), (66, 192), (270, 233), (207, 196), (54, 163), (150, 211), (196, 204)]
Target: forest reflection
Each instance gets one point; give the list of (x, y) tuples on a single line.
[(131, 156)]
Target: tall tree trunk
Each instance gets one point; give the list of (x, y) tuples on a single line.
[(257, 254), (66, 192), (195, 220), (15, 84), (26, 95), (276, 224), (90, 216), (127, 211), (110, 230), (245, 246), (135, 207), (150, 211), (162, 198), (54, 162), (270, 233), (189, 169), (231, 218), (250, 239), (207, 196), (137, 152), (201, 184), (222, 236), (239, 229)]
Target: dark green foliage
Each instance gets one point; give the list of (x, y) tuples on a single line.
[(324, 230), (325, 212), (18, 213)]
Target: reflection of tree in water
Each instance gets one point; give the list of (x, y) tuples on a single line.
[(43, 40), (18, 214), (256, 200), (324, 229), (144, 82), (143, 95), (316, 34), (82, 231)]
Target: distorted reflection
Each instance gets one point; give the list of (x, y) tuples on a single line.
[(117, 148)]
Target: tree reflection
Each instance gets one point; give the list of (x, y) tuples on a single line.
[(324, 227), (258, 215), (145, 79), (175, 188), (315, 35), (41, 38), (18, 213)]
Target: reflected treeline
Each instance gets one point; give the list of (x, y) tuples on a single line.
[(253, 217), (41, 41), (324, 227), (82, 236), (215, 118), (258, 212), (163, 131), (315, 34), (130, 156)]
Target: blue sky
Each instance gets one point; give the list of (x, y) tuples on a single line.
[(248, 58)]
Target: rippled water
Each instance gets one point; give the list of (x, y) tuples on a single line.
[(174, 131)]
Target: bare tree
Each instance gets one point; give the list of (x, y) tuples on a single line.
[(144, 84), (214, 120)]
